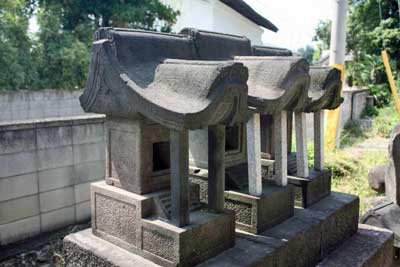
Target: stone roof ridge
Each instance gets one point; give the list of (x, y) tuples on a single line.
[(217, 46), (277, 83), (161, 77), (259, 50), (325, 88)]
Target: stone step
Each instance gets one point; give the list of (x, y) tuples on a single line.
[(301, 241), (370, 247)]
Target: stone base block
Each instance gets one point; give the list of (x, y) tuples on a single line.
[(311, 189), (370, 247), (256, 214), (129, 221), (301, 241), (206, 236)]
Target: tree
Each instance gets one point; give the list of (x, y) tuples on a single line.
[(16, 64), (323, 34), (66, 30), (307, 53)]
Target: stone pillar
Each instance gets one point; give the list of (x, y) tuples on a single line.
[(254, 155), (280, 144), (216, 168), (179, 149), (301, 144), (289, 131), (319, 140)]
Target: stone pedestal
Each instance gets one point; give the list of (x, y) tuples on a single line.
[(313, 236), (311, 189), (130, 221), (254, 214)]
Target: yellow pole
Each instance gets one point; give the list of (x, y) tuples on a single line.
[(332, 119), (389, 74)]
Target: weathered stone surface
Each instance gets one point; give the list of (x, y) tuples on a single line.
[(376, 178), (182, 94), (370, 247), (124, 219), (276, 83), (312, 188), (116, 213), (392, 175), (296, 242), (385, 215), (325, 89), (255, 214), (86, 250)]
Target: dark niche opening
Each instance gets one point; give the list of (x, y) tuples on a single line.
[(161, 157), (232, 138)]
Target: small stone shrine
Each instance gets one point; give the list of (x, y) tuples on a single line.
[(212, 108), (324, 92)]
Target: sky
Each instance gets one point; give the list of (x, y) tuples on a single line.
[(296, 20)]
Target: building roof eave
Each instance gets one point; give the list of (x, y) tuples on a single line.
[(245, 10)]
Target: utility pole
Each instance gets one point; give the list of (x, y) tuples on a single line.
[(338, 33), (336, 59)]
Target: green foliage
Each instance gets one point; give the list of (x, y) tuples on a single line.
[(350, 172), (369, 72), (384, 123), (370, 111), (368, 34), (58, 56), (351, 134), (16, 62), (307, 53), (323, 34), (322, 37)]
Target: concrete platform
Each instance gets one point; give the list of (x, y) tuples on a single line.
[(370, 247), (303, 240)]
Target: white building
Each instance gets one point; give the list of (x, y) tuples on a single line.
[(226, 16)]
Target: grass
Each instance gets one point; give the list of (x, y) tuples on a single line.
[(384, 120), (350, 173)]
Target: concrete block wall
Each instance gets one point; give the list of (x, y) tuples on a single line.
[(25, 104), (355, 101), (46, 167)]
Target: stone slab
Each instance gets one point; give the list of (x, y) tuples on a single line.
[(301, 241), (311, 189), (256, 214), (370, 247)]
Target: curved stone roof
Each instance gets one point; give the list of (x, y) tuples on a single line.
[(325, 89), (277, 83), (159, 76)]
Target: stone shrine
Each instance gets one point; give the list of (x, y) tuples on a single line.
[(324, 92), (192, 104)]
